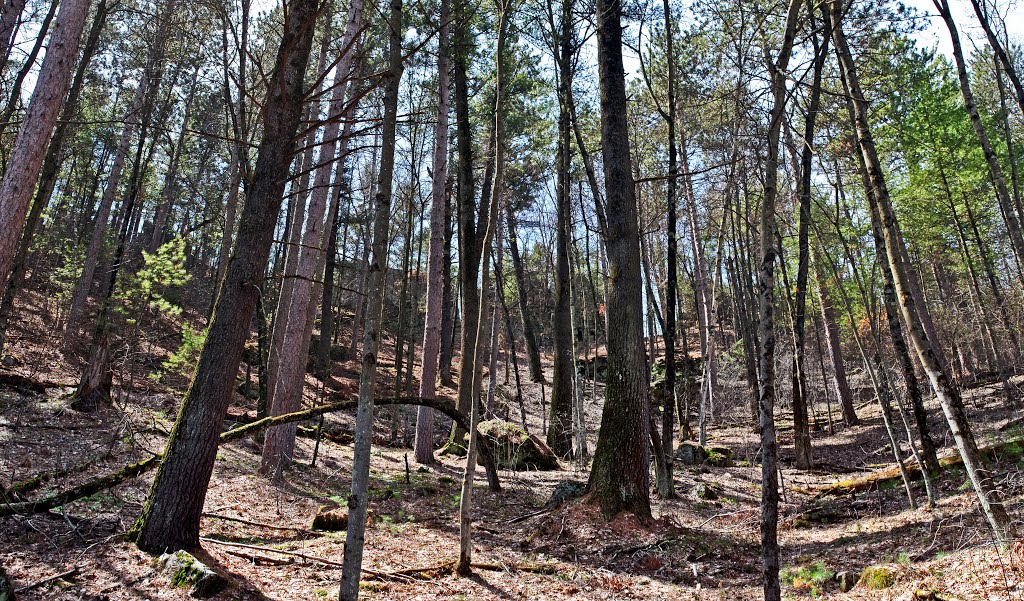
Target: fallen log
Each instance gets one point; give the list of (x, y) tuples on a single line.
[(870, 481), (25, 384), (134, 470)]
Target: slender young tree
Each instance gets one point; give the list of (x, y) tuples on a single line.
[(358, 500), (463, 564), (778, 70)]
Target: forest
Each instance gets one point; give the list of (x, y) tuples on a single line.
[(511, 299)]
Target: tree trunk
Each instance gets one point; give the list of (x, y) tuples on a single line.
[(286, 394), (50, 170), (170, 517), (439, 221), (559, 434), (619, 478), (883, 216), (766, 314), (26, 158), (9, 17), (529, 329), (801, 427), (358, 499), (462, 565), (447, 296)]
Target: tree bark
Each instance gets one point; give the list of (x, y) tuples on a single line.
[(358, 500), (559, 434), (766, 313), (619, 478), (286, 394), (170, 517), (50, 170), (26, 158)]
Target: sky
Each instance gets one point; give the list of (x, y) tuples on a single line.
[(936, 35)]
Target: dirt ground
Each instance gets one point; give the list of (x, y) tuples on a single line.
[(258, 532)]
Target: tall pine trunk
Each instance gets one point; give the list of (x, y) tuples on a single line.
[(619, 479), (170, 516)]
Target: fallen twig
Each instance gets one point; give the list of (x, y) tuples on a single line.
[(229, 518), (73, 571), (223, 543)]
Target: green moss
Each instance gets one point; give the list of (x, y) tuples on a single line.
[(184, 576), (877, 577), (811, 577)]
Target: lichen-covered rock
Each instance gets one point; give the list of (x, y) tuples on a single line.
[(691, 453), (185, 571), (877, 577), (719, 456), (330, 519), (702, 491), (565, 491), (514, 449)]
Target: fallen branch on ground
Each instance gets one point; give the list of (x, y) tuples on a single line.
[(448, 567), (73, 571), (229, 518), (134, 470), (875, 479)]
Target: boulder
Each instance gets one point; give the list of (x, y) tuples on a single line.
[(877, 577), (330, 519), (185, 571), (702, 491), (691, 453), (847, 580), (719, 456), (565, 491), (514, 449)]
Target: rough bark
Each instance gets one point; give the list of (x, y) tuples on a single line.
[(286, 393), (619, 478), (170, 517), (26, 158), (559, 434), (50, 170)]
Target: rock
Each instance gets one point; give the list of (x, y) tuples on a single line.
[(186, 571), (565, 491), (514, 449), (719, 456), (10, 361), (6, 588), (691, 453), (847, 580), (330, 519), (703, 491), (877, 577)]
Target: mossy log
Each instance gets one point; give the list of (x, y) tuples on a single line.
[(1013, 447), (134, 470)]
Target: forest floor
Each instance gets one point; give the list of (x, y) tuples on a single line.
[(696, 547)]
